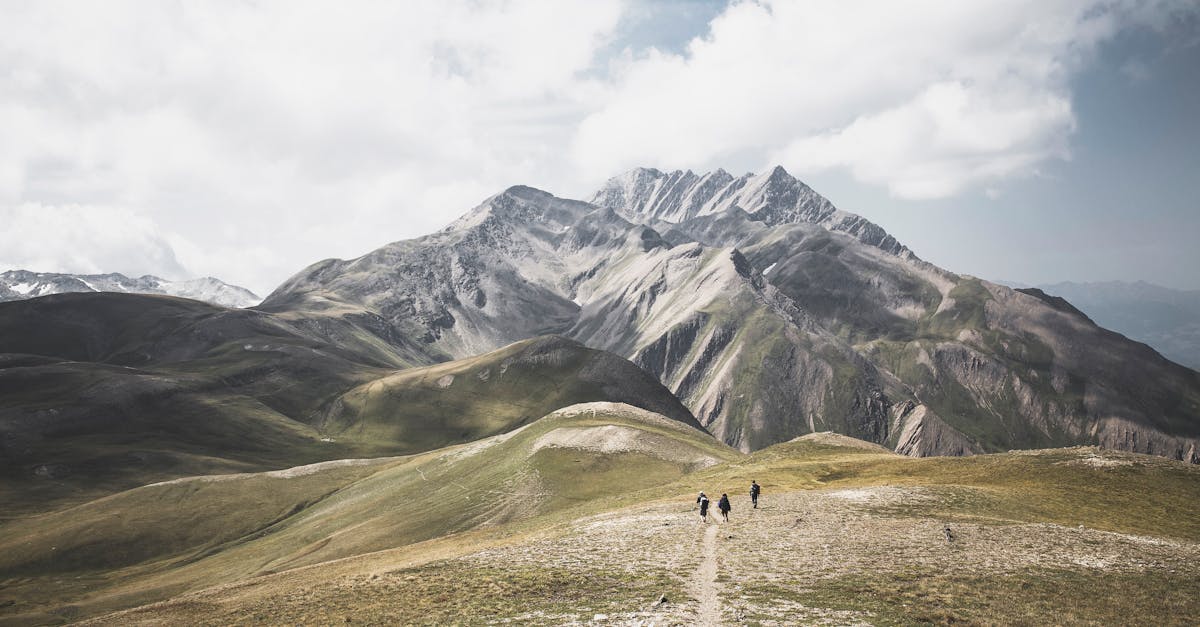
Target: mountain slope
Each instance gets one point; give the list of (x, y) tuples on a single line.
[(1167, 319), (178, 535), (770, 313), (422, 409), (981, 367), (101, 392), (22, 284)]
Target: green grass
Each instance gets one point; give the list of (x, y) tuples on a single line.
[(426, 408), (166, 539), (162, 541), (447, 593), (106, 428), (970, 298), (1149, 496)]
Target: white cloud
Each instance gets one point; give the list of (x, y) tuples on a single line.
[(926, 98), (249, 139), (948, 137), (84, 239), (306, 128)]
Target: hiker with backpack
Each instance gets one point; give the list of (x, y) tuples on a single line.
[(755, 490), (724, 506), (702, 501)]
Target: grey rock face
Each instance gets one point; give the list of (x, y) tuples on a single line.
[(22, 284), (771, 314), (645, 195)]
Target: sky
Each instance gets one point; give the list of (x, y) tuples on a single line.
[(1024, 141)]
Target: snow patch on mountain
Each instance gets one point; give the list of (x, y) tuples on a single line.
[(22, 284)]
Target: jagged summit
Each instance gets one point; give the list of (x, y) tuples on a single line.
[(522, 204), (772, 198)]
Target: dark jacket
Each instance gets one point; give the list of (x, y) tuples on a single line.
[(703, 501), (723, 504)]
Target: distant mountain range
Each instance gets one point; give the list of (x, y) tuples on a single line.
[(22, 284), (1164, 318)]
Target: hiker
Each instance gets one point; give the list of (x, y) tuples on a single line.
[(754, 492), (724, 506), (703, 502)]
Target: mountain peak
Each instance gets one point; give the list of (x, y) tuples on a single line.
[(524, 191), (773, 197), (779, 172)]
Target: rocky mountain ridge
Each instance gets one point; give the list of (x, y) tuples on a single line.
[(648, 196), (22, 284)]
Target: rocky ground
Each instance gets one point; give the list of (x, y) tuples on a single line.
[(893, 541), (759, 567)]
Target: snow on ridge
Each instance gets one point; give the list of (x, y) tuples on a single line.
[(22, 284)]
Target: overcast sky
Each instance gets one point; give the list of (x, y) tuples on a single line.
[(1025, 141)]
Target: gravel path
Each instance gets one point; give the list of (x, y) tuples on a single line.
[(704, 583)]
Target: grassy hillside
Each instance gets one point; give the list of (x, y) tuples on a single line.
[(464, 400), (590, 512), (73, 431), (162, 539), (141, 329), (105, 392)]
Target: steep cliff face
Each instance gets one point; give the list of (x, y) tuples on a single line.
[(770, 313)]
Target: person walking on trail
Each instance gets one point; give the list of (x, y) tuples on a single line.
[(755, 490), (724, 506), (702, 501)]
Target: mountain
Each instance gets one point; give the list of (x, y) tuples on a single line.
[(770, 314), (526, 263), (22, 284), (1164, 318), (100, 392)]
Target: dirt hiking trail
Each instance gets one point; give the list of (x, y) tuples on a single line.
[(704, 582)]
